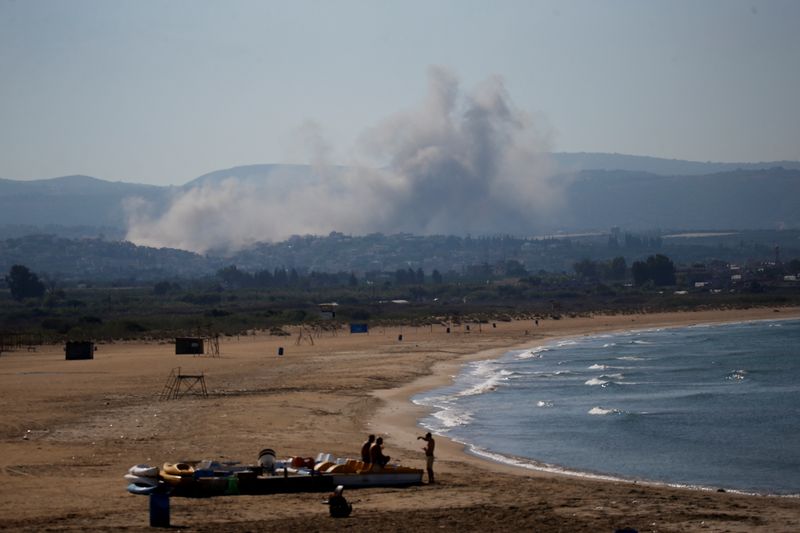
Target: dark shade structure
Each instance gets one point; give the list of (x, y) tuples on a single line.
[(359, 328), (79, 350), (188, 346)]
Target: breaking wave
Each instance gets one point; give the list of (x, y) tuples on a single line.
[(602, 411)]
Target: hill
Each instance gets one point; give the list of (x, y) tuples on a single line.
[(741, 199), (632, 192), (72, 201), (578, 161)]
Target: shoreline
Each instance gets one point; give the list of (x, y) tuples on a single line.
[(71, 429), (400, 407)]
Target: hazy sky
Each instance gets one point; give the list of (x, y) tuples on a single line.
[(163, 91)]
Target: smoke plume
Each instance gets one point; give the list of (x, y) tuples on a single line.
[(459, 163)]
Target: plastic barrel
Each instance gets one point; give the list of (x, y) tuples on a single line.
[(233, 485), (159, 509), (280, 350)]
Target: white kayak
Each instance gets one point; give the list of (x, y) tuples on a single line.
[(143, 471)]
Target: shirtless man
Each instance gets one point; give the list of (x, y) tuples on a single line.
[(376, 456), (365, 449), (428, 449)]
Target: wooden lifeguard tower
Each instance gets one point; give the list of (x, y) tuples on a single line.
[(179, 385)]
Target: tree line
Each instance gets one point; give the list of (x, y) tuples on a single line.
[(657, 269)]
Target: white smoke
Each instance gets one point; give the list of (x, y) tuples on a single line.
[(457, 164)]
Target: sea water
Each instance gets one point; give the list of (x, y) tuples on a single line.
[(714, 406)]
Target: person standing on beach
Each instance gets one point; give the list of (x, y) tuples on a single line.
[(428, 449), (365, 449)]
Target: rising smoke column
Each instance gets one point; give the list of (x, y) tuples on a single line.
[(467, 164), (455, 164)]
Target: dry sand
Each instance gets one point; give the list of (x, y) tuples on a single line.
[(69, 430)]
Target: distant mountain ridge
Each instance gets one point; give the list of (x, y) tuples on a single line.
[(278, 174), (71, 201), (740, 199), (577, 161), (601, 191)]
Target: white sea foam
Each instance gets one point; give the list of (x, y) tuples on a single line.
[(533, 353), (544, 403), (450, 418), (531, 464), (595, 381), (480, 388), (602, 411), (482, 368), (737, 375), (598, 367), (609, 344), (555, 374), (631, 358), (489, 376), (430, 400)]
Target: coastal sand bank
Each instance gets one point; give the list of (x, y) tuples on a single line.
[(70, 429)]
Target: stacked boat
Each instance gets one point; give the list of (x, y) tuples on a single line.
[(355, 473), (142, 479), (270, 475)]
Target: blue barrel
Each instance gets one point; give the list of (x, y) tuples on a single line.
[(280, 350), (159, 509)]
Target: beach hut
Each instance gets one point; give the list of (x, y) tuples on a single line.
[(189, 346), (327, 311), (76, 350)]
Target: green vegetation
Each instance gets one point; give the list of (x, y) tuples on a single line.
[(22, 283), (235, 302)]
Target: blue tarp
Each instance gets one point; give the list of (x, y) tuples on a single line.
[(359, 328)]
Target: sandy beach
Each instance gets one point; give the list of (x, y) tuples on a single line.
[(69, 430)]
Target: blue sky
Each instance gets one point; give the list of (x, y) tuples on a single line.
[(163, 91)]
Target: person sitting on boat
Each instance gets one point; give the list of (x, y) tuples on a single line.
[(376, 456), (339, 507), (365, 449)]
